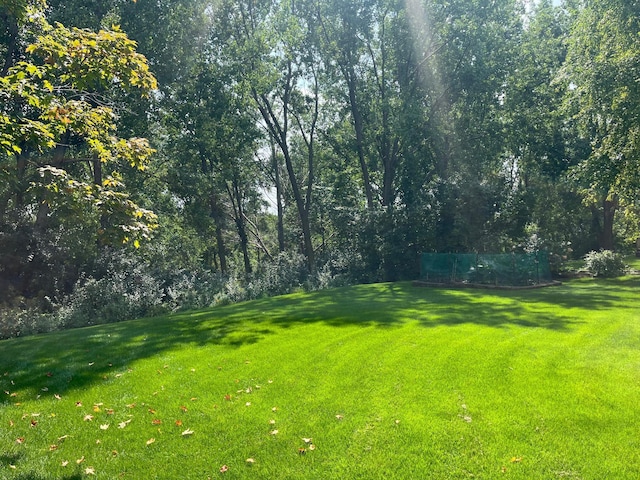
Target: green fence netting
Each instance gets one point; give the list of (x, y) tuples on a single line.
[(510, 269)]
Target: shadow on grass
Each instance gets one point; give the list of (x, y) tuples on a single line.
[(76, 358)]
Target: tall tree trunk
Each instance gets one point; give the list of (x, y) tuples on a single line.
[(609, 207), (235, 195), (278, 128), (218, 217), (279, 206), (358, 126)]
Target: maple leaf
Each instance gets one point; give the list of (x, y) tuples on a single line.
[(89, 471), (150, 441), (340, 417), (224, 468), (248, 404), (306, 440), (57, 397), (273, 432), (124, 424), (156, 421), (88, 418), (64, 463), (272, 422), (78, 404), (53, 448), (104, 427), (109, 411), (188, 431), (20, 440), (178, 423), (302, 450)]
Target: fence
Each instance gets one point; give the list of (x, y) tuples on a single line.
[(510, 269)]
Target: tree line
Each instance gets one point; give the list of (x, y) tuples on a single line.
[(309, 141)]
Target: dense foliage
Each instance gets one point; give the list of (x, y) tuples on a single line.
[(285, 144)]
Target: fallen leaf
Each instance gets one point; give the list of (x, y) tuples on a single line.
[(131, 405), (273, 432), (63, 438), (183, 408), (250, 461), (224, 468), (53, 448), (33, 423), (20, 440), (466, 418), (272, 422), (302, 450), (151, 411), (109, 411), (80, 460), (516, 459), (274, 409), (227, 397), (96, 409), (248, 404), (88, 418), (156, 421), (11, 424), (57, 397), (339, 417), (44, 389), (49, 374), (188, 431), (104, 427), (89, 471), (178, 423), (306, 440), (124, 424), (78, 404), (150, 441), (12, 467), (65, 463)]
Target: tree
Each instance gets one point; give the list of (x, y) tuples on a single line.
[(58, 131), (602, 79)]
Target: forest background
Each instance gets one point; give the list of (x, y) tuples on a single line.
[(158, 155)]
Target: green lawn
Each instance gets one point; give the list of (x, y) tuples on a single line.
[(374, 381)]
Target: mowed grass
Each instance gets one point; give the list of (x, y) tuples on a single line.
[(383, 381)]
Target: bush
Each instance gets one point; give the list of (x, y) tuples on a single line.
[(605, 263)]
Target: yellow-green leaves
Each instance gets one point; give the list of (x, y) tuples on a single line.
[(60, 95)]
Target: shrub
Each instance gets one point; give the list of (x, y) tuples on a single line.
[(604, 263)]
